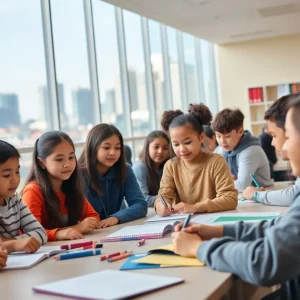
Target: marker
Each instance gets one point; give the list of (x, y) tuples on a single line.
[(98, 246), (80, 249), (79, 254), (141, 242), (105, 257), (76, 245), (120, 256), (186, 221), (254, 180)]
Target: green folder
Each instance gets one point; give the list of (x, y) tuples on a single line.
[(243, 218)]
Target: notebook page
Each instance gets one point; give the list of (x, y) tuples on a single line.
[(167, 218), (49, 250), (23, 261), (102, 285)]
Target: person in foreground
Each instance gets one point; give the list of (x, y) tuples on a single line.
[(265, 253), (149, 168), (275, 117), (14, 215), (53, 191), (195, 181), (108, 179)]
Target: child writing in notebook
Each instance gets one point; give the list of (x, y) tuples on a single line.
[(14, 215), (196, 181), (108, 179), (148, 170), (264, 253), (53, 190)]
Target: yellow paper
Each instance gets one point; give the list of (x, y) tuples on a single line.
[(169, 247), (170, 260)]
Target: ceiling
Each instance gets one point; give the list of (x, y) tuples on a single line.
[(222, 21)]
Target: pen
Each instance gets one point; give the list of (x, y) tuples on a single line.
[(104, 257), (186, 221), (80, 249), (163, 201), (141, 242), (79, 254), (254, 180), (76, 245), (98, 246), (120, 256)]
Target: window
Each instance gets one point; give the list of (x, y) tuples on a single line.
[(136, 74), (22, 110), (174, 68), (190, 67), (76, 104)]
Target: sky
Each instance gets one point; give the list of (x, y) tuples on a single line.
[(22, 56)]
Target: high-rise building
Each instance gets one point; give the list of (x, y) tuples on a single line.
[(9, 110), (109, 106), (83, 106)]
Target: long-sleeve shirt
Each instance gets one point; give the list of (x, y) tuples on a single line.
[(16, 217), (284, 197), (142, 175), (33, 198), (109, 204), (209, 186), (266, 253)]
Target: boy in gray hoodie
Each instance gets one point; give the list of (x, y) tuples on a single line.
[(264, 253), (241, 150)]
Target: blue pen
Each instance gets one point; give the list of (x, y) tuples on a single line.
[(254, 180), (79, 254), (163, 201), (186, 221)]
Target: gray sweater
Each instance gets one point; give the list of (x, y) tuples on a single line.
[(141, 173), (284, 197), (16, 216), (265, 253)]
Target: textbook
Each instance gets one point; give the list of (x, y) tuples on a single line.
[(147, 231), (165, 257), (171, 217), (23, 260), (102, 285)]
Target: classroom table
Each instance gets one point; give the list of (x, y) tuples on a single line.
[(200, 282)]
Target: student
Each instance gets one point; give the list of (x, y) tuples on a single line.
[(196, 181), (14, 215), (148, 170), (53, 190), (275, 117), (108, 179), (210, 141), (264, 253), (3, 257), (241, 150)]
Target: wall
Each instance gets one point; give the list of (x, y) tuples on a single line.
[(255, 63)]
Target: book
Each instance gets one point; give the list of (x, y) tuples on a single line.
[(167, 218), (102, 285), (155, 230), (23, 260), (165, 256)]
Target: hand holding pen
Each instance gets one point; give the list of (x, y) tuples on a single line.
[(163, 209)]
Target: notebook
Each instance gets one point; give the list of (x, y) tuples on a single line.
[(23, 260), (102, 285), (147, 231), (171, 217), (165, 256)]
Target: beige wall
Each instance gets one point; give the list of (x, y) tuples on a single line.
[(255, 63)]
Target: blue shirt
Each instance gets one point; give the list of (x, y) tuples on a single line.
[(109, 204)]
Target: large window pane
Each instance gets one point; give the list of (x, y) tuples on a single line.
[(159, 82), (22, 72), (190, 67), (112, 102), (136, 74), (76, 104), (174, 68)]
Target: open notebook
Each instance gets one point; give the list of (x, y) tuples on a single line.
[(171, 217), (147, 231), (23, 260), (102, 285)]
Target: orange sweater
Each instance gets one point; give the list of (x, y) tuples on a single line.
[(33, 198)]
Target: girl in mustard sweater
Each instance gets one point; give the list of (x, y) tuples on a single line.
[(193, 181)]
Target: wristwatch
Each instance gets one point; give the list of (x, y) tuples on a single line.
[(255, 196)]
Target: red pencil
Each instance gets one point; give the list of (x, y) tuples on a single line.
[(120, 256), (105, 257), (76, 245)]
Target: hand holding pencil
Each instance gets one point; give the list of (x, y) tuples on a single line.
[(163, 208)]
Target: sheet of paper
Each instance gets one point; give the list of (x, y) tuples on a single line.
[(167, 218)]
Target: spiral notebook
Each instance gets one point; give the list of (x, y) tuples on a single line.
[(146, 231)]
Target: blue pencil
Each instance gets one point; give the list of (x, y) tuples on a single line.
[(186, 221), (79, 254), (254, 180)]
